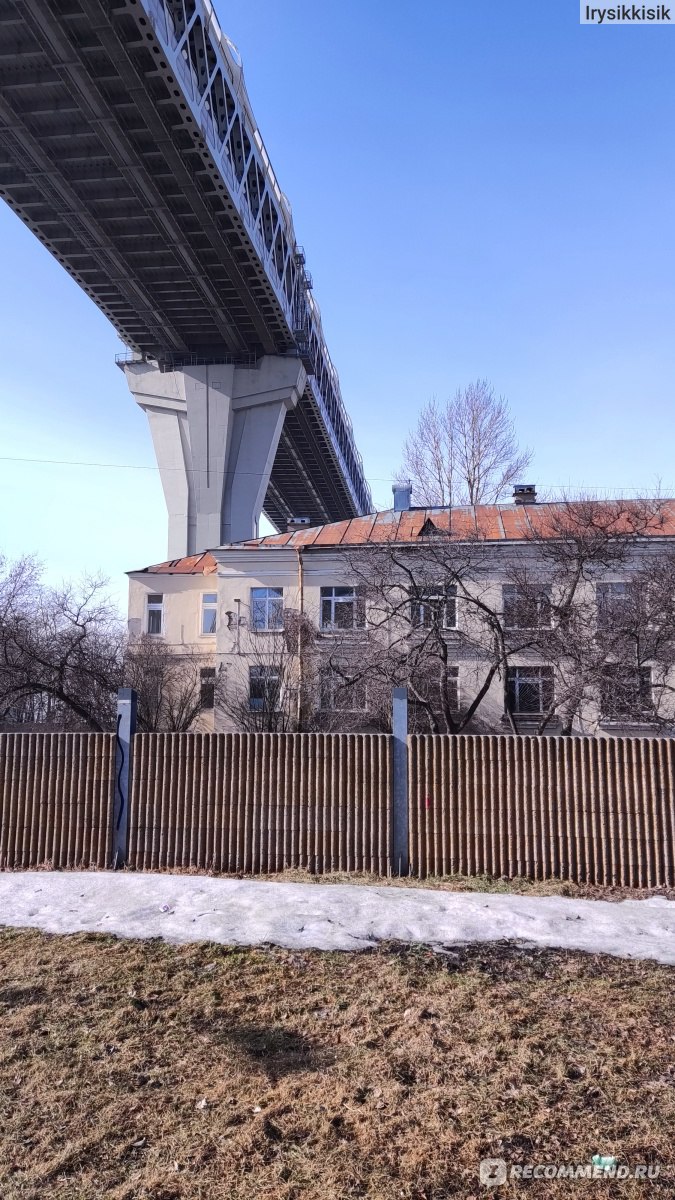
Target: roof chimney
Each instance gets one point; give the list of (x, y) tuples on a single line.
[(524, 493), (402, 493)]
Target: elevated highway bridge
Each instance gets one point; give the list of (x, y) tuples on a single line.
[(129, 147)]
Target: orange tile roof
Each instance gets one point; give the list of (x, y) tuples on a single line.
[(195, 564), (487, 522)]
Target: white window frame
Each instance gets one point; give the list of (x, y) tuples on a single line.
[(543, 607), (210, 606), (611, 591), (152, 607), (335, 602), (269, 601), (435, 595), (640, 674), (534, 671)]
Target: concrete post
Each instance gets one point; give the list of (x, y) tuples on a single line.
[(215, 430), (399, 727), (125, 730)]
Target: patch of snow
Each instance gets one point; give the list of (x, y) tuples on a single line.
[(248, 912)]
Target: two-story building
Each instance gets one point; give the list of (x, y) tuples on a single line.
[(480, 606)]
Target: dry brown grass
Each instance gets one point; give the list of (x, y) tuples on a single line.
[(325, 1076)]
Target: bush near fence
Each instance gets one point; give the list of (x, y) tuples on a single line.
[(595, 810)]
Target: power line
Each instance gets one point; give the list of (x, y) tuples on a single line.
[(67, 462)]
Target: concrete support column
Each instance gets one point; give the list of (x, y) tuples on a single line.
[(215, 430)]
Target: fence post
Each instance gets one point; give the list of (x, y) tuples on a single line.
[(399, 729), (125, 730)]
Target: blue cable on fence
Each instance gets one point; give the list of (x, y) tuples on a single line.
[(120, 745)]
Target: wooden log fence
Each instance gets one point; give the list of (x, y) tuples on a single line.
[(589, 810), (56, 798)]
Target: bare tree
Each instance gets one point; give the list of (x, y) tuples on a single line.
[(172, 693), (64, 654), (270, 685), (582, 615), (412, 636), (464, 451), (61, 650), (609, 627)]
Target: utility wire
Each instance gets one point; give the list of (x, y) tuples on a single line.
[(65, 462)]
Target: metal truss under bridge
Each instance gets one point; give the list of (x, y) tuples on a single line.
[(129, 147)]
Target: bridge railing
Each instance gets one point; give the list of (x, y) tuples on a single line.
[(219, 101)]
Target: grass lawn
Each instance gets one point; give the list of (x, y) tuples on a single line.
[(139, 1069)]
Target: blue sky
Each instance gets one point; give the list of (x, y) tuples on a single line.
[(482, 189)]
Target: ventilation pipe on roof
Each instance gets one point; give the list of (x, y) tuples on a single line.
[(402, 494), (524, 493)]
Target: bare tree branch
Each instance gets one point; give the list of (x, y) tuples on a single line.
[(464, 451)]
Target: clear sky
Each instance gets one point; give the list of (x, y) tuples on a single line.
[(481, 188)]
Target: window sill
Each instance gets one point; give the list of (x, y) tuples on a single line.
[(512, 630), (617, 723), (354, 633), (444, 629), (531, 721)]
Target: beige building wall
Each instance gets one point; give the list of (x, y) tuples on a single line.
[(235, 647), (181, 617)]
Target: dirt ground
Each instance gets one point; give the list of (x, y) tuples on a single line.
[(139, 1069)]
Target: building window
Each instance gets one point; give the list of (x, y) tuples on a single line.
[(342, 608), (209, 612), (626, 693), (264, 689), (207, 686), (529, 690), (614, 601), (434, 606), (453, 688), (155, 620), (267, 609), (526, 608), (341, 695)]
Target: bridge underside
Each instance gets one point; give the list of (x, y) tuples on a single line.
[(101, 159)]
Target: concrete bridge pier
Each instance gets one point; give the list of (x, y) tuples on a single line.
[(215, 430)]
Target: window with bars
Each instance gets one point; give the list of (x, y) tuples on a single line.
[(264, 689), (209, 613), (626, 692), (155, 615), (529, 690), (207, 686), (434, 606), (526, 608), (342, 608), (267, 609)]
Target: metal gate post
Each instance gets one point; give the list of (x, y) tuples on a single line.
[(399, 729), (125, 730)]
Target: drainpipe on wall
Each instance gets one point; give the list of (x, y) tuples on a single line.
[(301, 582), (238, 604)]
